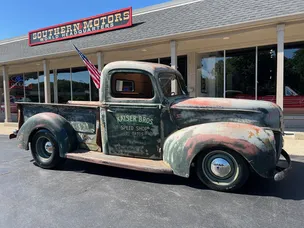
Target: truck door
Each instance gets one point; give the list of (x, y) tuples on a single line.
[(133, 115)]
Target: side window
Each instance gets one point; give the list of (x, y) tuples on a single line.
[(170, 85), (131, 85)]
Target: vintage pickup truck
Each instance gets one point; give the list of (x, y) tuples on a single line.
[(146, 121)]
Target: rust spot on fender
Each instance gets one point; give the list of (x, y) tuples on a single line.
[(251, 134), (218, 140), (201, 102), (257, 131)]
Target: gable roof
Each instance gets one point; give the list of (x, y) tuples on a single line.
[(162, 22)]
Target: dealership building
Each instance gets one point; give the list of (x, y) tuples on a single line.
[(249, 49)]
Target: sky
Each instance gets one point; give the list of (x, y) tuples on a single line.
[(18, 17)]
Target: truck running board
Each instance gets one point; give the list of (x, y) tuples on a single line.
[(152, 166)]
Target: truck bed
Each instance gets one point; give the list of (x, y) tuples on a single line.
[(83, 116)]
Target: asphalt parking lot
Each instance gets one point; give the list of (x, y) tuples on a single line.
[(88, 195)]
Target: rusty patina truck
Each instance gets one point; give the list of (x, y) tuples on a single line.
[(146, 121)]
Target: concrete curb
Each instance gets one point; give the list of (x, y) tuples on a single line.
[(10, 124), (294, 135)]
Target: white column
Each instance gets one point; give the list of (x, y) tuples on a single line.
[(100, 62), (47, 85), (280, 65), (173, 47), (38, 87), (192, 73), (6, 95), (55, 87)]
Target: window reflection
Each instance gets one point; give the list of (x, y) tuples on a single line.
[(16, 87), (52, 85), (294, 76), (181, 64), (212, 75), (81, 84), (240, 74), (267, 73), (41, 86), (31, 87), (64, 85)]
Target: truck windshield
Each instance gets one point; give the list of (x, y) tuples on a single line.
[(172, 85)]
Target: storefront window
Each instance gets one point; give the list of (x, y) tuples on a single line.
[(81, 84), (294, 77), (52, 85), (212, 75), (149, 60), (41, 86), (16, 87), (64, 85), (181, 65), (31, 87), (240, 74), (94, 90), (267, 73), (165, 61)]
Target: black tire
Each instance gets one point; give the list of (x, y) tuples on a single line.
[(225, 177), (42, 157)]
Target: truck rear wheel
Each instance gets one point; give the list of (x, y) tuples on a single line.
[(222, 170), (45, 150)]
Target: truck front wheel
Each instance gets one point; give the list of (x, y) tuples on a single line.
[(222, 170), (45, 150)]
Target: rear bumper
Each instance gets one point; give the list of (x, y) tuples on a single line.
[(281, 173)]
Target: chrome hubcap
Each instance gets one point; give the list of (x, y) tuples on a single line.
[(49, 147), (220, 167)]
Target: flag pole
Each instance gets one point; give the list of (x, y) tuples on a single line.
[(93, 71)]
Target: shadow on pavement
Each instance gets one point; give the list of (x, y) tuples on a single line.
[(292, 187)]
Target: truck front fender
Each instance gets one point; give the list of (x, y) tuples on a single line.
[(255, 144), (63, 132)]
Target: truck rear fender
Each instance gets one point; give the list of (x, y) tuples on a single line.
[(56, 124), (255, 144)]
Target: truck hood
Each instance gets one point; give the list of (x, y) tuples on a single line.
[(191, 111)]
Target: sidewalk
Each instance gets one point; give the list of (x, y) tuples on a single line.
[(7, 128)]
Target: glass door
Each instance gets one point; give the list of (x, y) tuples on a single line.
[(211, 75)]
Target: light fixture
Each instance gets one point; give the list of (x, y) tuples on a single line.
[(143, 49), (226, 38)]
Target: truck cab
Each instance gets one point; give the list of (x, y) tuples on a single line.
[(146, 120)]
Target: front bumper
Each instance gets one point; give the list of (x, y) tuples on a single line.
[(13, 135), (281, 173)]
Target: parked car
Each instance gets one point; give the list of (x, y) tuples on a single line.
[(146, 121), (291, 98), (13, 104)]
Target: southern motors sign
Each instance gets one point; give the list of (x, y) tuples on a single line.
[(105, 22)]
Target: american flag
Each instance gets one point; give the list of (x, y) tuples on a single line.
[(93, 71)]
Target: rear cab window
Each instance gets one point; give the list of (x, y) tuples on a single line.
[(134, 85)]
